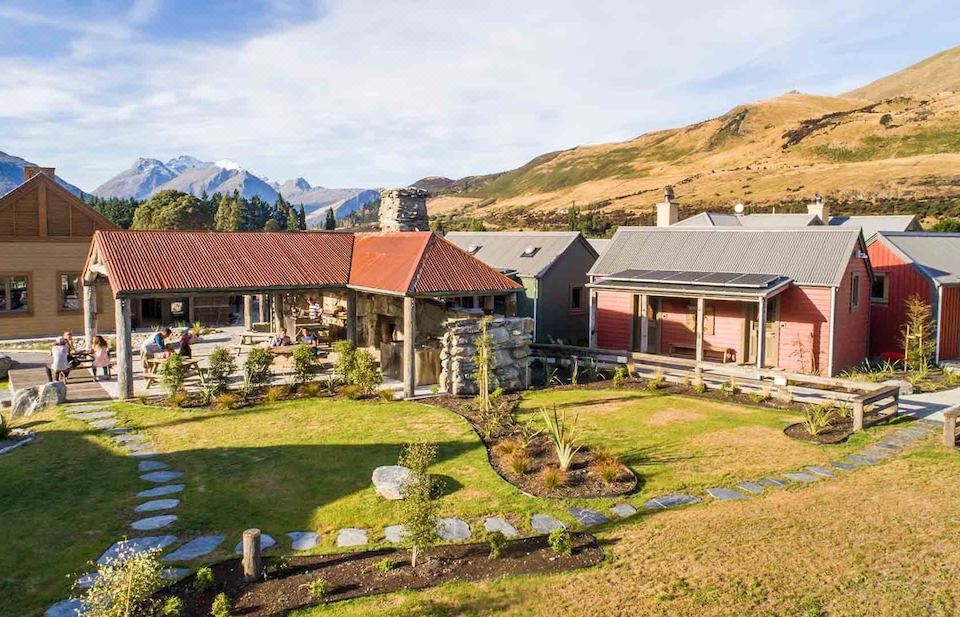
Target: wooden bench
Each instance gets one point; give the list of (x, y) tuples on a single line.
[(709, 353), (151, 370)]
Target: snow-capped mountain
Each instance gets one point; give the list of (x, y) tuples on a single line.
[(11, 174), (191, 175)]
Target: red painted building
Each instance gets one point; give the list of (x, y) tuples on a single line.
[(915, 263), (706, 293)]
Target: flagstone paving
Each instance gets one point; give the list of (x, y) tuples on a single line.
[(843, 466), (623, 510), (136, 546), (725, 494), (819, 471), (198, 547), (670, 501), (66, 608), (154, 522), (159, 491), (394, 533), (105, 423), (453, 529), (544, 523), (157, 504), (588, 517), (863, 460), (91, 415), (498, 523), (751, 487), (151, 466), (174, 574), (161, 476), (351, 536), (303, 540), (773, 483), (129, 437), (266, 541), (800, 476)]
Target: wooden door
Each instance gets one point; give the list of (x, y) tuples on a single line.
[(652, 311), (772, 348)]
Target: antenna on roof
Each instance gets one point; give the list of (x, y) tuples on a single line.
[(738, 209)]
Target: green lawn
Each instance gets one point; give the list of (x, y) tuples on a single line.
[(306, 465)]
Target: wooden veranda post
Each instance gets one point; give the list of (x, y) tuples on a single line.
[(644, 322), (699, 328), (124, 351), (89, 313), (248, 312), (592, 319), (352, 316), (252, 561), (761, 331), (409, 346)]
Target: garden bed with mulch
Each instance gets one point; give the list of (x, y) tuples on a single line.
[(14, 439), (839, 430), (287, 587), (592, 473), (193, 400)]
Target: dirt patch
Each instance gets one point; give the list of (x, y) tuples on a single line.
[(353, 575), (672, 416), (592, 473)]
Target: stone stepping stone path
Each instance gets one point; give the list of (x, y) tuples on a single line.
[(160, 477), (87, 580), (588, 517), (151, 466), (266, 541), (773, 483), (198, 547), (453, 529), (801, 476), (138, 446), (623, 510), (154, 522), (751, 487), (889, 446), (498, 523), (66, 608), (174, 574), (856, 458), (91, 415), (129, 437), (106, 423), (144, 454), (394, 533), (303, 540), (85, 406), (665, 502), (159, 491), (351, 536), (843, 466), (819, 471), (725, 494), (157, 504), (544, 523), (136, 545)]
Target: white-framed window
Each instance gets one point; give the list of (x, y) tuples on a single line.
[(880, 290), (854, 291), (14, 294)]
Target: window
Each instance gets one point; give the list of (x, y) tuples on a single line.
[(14, 294), (530, 251), (854, 291), (69, 291), (576, 300), (880, 291)]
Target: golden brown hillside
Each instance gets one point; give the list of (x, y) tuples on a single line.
[(938, 73), (895, 154)]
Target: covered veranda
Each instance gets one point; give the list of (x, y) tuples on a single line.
[(704, 316), (406, 272)]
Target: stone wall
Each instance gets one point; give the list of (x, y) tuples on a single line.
[(404, 210), (511, 358)]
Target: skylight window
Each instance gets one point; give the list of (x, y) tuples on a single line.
[(473, 249), (530, 251)]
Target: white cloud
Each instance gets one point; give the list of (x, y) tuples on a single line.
[(383, 92)]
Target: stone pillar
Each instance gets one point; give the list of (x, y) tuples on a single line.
[(264, 315), (277, 310), (409, 346), (90, 312), (124, 351), (761, 332), (404, 210), (352, 316), (700, 311), (248, 312)]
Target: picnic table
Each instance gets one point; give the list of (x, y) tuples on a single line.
[(191, 366), (251, 339)]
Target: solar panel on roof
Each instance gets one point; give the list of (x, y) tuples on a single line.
[(729, 279)]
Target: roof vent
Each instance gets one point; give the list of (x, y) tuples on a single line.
[(473, 249), (530, 251)]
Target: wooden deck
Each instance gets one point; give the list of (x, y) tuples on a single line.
[(80, 386)]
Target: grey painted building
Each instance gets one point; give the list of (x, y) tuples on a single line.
[(552, 266)]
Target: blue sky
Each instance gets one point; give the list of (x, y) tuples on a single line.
[(382, 92)]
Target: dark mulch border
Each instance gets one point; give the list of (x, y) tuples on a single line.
[(355, 575), (581, 482), (839, 431)]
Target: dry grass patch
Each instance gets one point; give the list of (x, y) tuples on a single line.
[(672, 415)]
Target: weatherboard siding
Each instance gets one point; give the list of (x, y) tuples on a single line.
[(678, 325), (950, 324), (804, 329), (852, 332), (614, 320), (886, 320)]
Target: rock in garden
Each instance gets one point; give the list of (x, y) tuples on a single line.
[(725, 494), (394, 533), (28, 401), (351, 537), (670, 501), (497, 523), (623, 510), (66, 608), (5, 363), (544, 523), (50, 395), (453, 529), (303, 540), (586, 516), (800, 476), (751, 487), (198, 547), (389, 481), (820, 471), (266, 541)]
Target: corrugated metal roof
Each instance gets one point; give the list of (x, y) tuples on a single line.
[(810, 255), (935, 254), (504, 249), (750, 221), (400, 262), (599, 244), (870, 225)]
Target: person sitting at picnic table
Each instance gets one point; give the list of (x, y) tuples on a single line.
[(60, 364), (307, 338), (313, 309), (101, 357), (187, 339), (156, 344), (280, 339)]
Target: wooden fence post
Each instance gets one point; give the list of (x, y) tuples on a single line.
[(950, 428), (857, 415), (252, 563)]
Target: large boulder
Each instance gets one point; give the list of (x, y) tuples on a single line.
[(389, 481), (5, 363), (28, 401)]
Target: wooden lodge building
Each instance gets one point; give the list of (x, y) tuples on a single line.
[(45, 232)]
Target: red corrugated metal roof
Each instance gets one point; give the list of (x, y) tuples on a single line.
[(183, 261)]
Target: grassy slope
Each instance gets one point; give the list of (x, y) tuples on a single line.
[(929, 76), (876, 542)]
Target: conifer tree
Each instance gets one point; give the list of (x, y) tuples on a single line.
[(331, 221)]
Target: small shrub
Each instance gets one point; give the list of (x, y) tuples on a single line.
[(366, 375), (385, 565), (609, 470), (553, 478), (221, 606), (418, 508), (734, 388), (257, 371), (221, 367), (281, 565), (756, 397), (506, 447), (304, 364), (173, 374), (352, 392), (519, 463), (203, 579), (561, 542), (619, 376), (564, 436), (699, 387), (129, 581), (497, 542), (385, 395), (346, 360), (178, 399), (4, 427), (226, 400), (172, 607), (655, 382), (320, 588), (311, 389), (275, 393), (817, 418), (527, 434)]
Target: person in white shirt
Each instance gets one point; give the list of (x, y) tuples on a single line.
[(60, 363), (313, 309)]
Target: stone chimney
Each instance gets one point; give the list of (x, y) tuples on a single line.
[(404, 210), (667, 212), (32, 170), (819, 208)]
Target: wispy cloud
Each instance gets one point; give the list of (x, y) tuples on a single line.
[(383, 92)]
